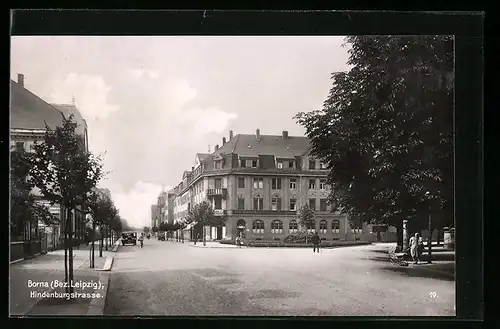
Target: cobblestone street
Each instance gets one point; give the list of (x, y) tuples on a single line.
[(170, 278)]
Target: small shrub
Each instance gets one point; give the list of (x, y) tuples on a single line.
[(298, 237)]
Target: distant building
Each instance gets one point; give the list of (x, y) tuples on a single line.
[(29, 115), (155, 216), (258, 182)]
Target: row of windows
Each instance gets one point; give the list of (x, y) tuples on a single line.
[(276, 183), (276, 203), (280, 164), (277, 226)]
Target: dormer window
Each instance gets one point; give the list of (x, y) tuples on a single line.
[(312, 164), (291, 164), (322, 165), (218, 164), (279, 165), (255, 163), (243, 163)]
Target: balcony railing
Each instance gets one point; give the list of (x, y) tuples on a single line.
[(219, 212), (216, 192), (265, 212)]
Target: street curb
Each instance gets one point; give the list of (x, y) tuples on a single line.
[(117, 245), (107, 265), (16, 261), (96, 307)]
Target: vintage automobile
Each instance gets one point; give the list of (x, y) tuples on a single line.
[(129, 238)]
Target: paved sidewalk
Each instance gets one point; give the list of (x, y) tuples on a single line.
[(210, 244), (43, 298)]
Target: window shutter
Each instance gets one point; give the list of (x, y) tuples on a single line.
[(255, 204), (278, 203)]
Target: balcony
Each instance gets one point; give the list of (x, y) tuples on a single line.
[(211, 192), (219, 212), (265, 212)]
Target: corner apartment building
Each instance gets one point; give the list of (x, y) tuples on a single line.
[(155, 216), (257, 182), (29, 114)]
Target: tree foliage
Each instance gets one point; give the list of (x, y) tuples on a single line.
[(61, 169), (102, 209), (386, 129), (23, 203), (203, 214), (145, 229), (305, 216)]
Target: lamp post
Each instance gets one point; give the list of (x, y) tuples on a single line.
[(429, 240)]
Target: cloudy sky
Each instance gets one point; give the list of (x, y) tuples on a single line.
[(152, 103)]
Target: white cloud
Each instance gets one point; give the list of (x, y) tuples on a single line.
[(139, 73), (186, 123), (90, 91), (135, 205), (153, 74)]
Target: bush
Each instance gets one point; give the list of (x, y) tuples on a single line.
[(298, 237)]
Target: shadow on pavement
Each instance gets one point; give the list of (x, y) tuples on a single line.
[(423, 271)]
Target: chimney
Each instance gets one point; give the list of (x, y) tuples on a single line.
[(257, 133), (216, 147), (230, 134), (20, 79), (285, 134), (223, 140)]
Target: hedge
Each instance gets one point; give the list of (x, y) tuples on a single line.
[(278, 244)]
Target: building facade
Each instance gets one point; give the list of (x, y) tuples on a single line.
[(257, 183), (29, 115), (155, 216)]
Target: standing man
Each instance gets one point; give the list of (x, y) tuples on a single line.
[(315, 241), (415, 247)]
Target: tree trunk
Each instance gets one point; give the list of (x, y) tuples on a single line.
[(101, 241), (71, 274), (107, 237), (93, 245), (429, 241), (204, 237), (399, 235), (66, 277)]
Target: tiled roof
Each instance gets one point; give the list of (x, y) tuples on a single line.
[(202, 156), (70, 109), (250, 146), (28, 111)]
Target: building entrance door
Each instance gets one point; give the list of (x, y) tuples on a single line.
[(219, 233)]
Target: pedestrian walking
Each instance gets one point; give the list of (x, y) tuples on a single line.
[(196, 239), (238, 241), (416, 244), (315, 241)]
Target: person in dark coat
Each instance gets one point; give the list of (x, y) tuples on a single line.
[(316, 240)]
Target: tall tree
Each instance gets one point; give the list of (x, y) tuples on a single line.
[(203, 215), (65, 173), (306, 218), (386, 128)]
